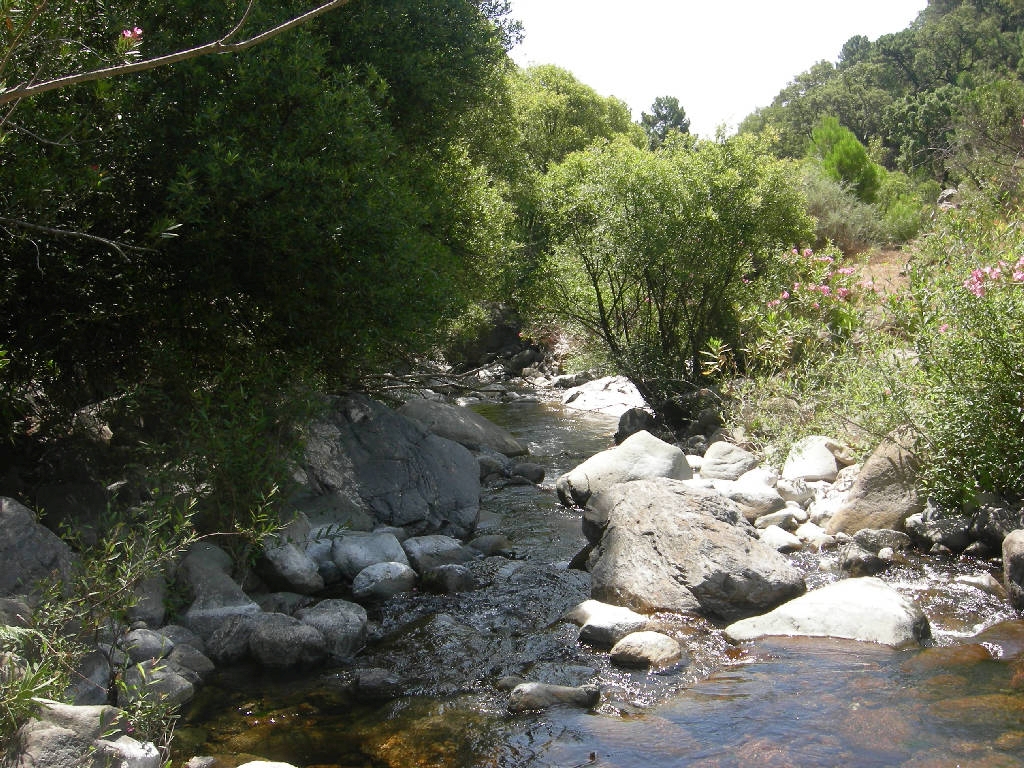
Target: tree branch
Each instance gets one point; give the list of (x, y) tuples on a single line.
[(217, 46), (113, 244)]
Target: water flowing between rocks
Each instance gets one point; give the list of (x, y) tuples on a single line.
[(437, 661)]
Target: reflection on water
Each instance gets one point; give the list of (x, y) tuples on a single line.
[(783, 702)]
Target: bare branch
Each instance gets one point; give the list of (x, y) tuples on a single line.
[(217, 46), (112, 244)]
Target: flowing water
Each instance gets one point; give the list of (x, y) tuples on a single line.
[(783, 702)]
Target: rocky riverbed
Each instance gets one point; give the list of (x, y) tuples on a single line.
[(471, 641)]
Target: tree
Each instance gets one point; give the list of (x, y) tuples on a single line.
[(649, 249), (845, 159), (666, 115)]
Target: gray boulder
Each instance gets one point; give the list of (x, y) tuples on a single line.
[(150, 604), (876, 540), (940, 534), (864, 609), (640, 456), (725, 461), (670, 547), (426, 552), (155, 681), (354, 552), (854, 560), (449, 579), (342, 623), (884, 493), (646, 649), (604, 625), (611, 395), (635, 420), (145, 644), (462, 425), (532, 696), (229, 644), (278, 641), (1013, 568), (286, 565), (217, 597), (382, 581), (91, 682), (816, 458), (29, 552), (363, 458), (779, 539)]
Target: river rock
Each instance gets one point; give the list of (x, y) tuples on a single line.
[(854, 560), (725, 461), (875, 540), (60, 735), (426, 552), (217, 597), (640, 456), (1013, 568), (787, 520), (670, 547), (144, 644), (646, 649), (363, 459), (288, 566), (533, 472), (155, 681), (29, 552), (884, 493), (462, 425), (284, 642), (150, 606), (816, 458), (449, 579), (815, 536), (865, 609), (91, 681), (991, 524), (532, 696), (612, 396), (354, 552), (779, 539), (604, 625), (189, 658), (229, 644), (940, 534), (795, 490), (341, 622), (635, 420), (382, 581)]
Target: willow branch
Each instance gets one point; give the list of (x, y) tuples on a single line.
[(216, 47)]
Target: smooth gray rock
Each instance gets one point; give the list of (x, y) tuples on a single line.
[(646, 649), (670, 547), (284, 642), (864, 609), (603, 625), (857, 561), (874, 540), (426, 552), (787, 520), (155, 681), (943, 534), (779, 539), (533, 472), (814, 536), (635, 420), (462, 425), (533, 696), (816, 458), (355, 551), (144, 644), (449, 579), (190, 658), (382, 581), (725, 461), (217, 597), (229, 644), (885, 492), (641, 456), (180, 635), (150, 604), (342, 623), (364, 459), (611, 396), (90, 685), (795, 490), (288, 566), (1013, 568), (29, 552)]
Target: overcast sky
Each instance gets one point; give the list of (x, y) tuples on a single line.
[(721, 58)]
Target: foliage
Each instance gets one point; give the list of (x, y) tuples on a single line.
[(969, 292), (844, 159), (648, 249), (665, 116), (839, 217)]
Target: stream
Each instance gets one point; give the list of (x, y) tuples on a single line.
[(778, 702)]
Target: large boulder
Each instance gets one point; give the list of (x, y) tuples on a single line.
[(667, 546), (462, 425), (1013, 568), (284, 642), (426, 552), (816, 457), (884, 493), (206, 571), (342, 623), (612, 396), (29, 552), (640, 456), (865, 609), (725, 461), (604, 625), (363, 459), (355, 551)]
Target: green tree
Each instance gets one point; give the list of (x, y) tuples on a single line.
[(845, 159), (665, 116), (649, 249)]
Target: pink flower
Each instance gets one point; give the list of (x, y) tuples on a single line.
[(846, 270), (796, 252), (135, 33), (976, 283), (944, 327), (825, 259), (1018, 275), (808, 253), (796, 286), (773, 303), (825, 290), (784, 295), (816, 305), (843, 293)]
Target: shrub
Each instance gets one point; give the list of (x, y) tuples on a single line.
[(840, 218)]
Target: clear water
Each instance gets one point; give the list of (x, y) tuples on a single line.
[(784, 702)]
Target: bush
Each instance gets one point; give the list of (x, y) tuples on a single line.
[(839, 216)]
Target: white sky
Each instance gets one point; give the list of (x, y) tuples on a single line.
[(721, 58)]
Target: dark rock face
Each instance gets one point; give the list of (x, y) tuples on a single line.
[(29, 552), (363, 460), (670, 547)]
